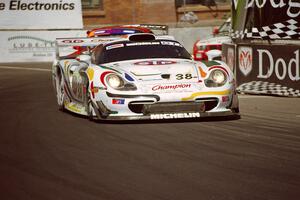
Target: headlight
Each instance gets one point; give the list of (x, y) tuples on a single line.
[(115, 81), (118, 83), (217, 78)]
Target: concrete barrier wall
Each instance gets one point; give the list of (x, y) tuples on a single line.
[(31, 46)]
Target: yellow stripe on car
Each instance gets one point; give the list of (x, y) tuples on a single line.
[(75, 108), (90, 73), (194, 95)]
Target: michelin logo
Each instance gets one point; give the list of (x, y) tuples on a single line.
[(175, 116)]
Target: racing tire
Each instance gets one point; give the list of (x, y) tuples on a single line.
[(236, 110), (90, 110), (60, 92)]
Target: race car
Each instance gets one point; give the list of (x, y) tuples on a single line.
[(140, 77), (210, 49)]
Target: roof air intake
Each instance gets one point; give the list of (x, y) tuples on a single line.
[(141, 37)]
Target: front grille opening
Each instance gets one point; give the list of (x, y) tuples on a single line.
[(173, 107), (136, 108), (142, 102), (210, 103)]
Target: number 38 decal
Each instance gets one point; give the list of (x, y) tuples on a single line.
[(183, 76)]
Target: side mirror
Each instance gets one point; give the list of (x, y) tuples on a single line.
[(214, 55)]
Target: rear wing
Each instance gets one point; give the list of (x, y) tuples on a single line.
[(157, 29), (72, 47)]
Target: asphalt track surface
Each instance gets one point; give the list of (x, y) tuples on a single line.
[(46, 154)]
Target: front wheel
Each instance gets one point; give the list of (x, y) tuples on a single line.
[(60, 91), (90, 110), (236, 110), (89, 105)]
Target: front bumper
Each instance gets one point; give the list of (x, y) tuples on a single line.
[(172, 116), (148, 107)]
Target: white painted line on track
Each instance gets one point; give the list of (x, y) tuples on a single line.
[(25, 68)]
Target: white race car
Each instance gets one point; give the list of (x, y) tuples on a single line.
[(140, 76)]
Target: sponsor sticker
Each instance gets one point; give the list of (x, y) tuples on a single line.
[(142, 43), (225, 98), (129, 31), (100, 32), (155, 62), (69, 41), (171, 43), (114, 46), (118, 101), (175, 116), (245, 60), (173, 87)]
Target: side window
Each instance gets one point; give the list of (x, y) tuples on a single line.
[(202, 47), (96, 54)]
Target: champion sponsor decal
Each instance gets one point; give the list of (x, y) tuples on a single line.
[(118, 101), (170, 87), (245, 60), (156, 62), (175, 116)]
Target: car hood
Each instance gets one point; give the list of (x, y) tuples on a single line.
[(159, 70), (214, 41)]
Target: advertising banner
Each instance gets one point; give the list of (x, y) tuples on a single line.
[(268, 69), (273, 63), (266, 19), (31, 46), (228, 55), (40, 14), (265, 69)]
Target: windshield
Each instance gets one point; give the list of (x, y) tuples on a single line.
[(213, 47), (129, 50)]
